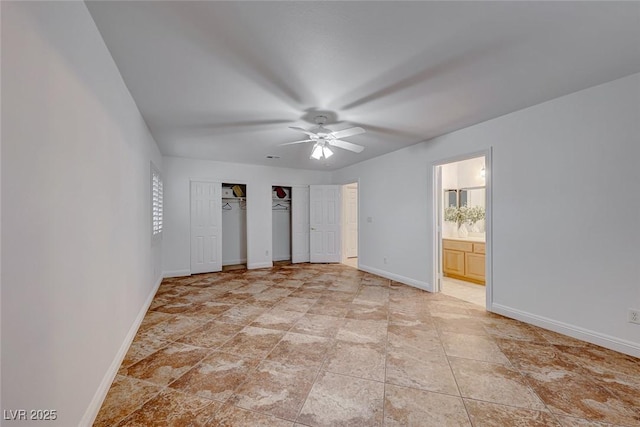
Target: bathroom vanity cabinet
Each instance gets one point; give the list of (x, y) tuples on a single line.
[(464, 259)]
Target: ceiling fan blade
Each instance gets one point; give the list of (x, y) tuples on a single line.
[(348, 132), (297, 142), (302, 130), (346, 145)]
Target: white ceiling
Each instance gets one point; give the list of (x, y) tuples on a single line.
[(224, 80)]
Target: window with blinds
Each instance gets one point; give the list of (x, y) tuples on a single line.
[(156, 202)]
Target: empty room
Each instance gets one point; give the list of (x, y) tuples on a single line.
[(345, 213)]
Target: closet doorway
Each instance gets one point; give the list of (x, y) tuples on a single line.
[(350, 224), (234, 226), (281, 223), (463, 228)]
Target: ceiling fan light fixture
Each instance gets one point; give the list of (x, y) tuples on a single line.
[(322, 138), (317, 152)]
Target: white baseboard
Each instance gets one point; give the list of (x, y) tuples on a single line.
[(604, 340), (176, 273), (98, 398), (396, 277), (282, 258), (255, 265)]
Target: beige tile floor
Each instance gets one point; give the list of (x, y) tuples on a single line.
[(328, 345), (465, 291)]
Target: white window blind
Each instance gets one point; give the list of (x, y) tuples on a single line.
[(156, 202)]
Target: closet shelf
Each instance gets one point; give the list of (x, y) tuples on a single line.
[(282, 200), (241, 199)]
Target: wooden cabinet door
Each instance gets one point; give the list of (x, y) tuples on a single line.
[(478, 248), (453, 262), (474, 265)]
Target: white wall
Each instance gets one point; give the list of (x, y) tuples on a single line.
[(463, 174), (78, 263), (469, 173), (558, 167), (450, 176), (259, 180)]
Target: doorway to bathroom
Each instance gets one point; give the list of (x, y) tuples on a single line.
[(462, 226)]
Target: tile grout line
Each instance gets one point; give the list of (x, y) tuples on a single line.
[(165, 386), (521, 373), (512, 366), (455, 379), (246, 379), (162, 388), (153, 396), (210, 352), (386, 355), (269, 353), (333, 342)]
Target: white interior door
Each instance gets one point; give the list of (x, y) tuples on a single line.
[(324, 214), (300, 224), (206, 230), (351, 231)]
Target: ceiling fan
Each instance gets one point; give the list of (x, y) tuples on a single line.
[(325, 138)]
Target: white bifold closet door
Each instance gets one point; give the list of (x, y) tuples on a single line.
[(324, 215), (299, 224), (206, 230)]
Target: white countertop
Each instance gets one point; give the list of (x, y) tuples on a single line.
[(466, 239)]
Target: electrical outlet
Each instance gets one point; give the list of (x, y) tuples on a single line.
[(634, 316), (266, 253), (384, 260)]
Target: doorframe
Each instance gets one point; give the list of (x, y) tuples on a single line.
[(246, 187), (436, 214), (343, 219), (341, 184), (290, 187)]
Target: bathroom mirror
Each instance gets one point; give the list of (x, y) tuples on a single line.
[(450, 198), (472, 196)]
